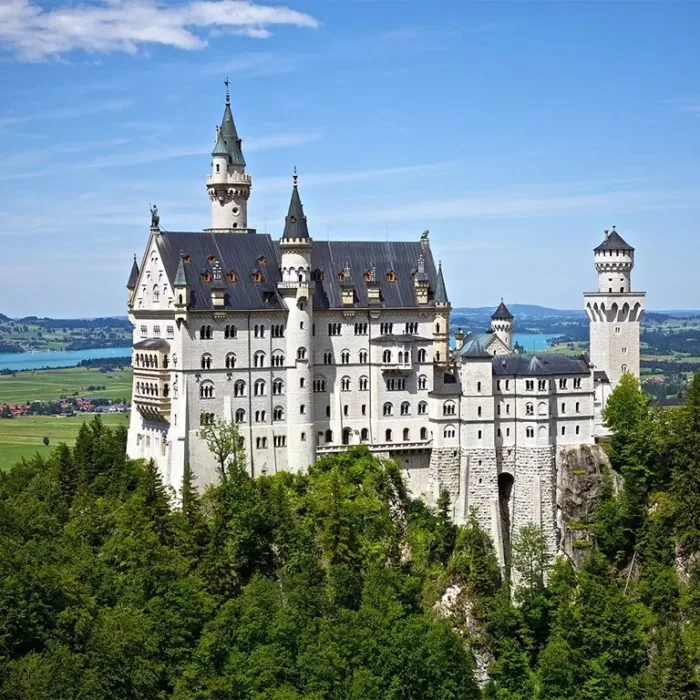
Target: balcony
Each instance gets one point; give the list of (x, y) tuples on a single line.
[(155, 408)]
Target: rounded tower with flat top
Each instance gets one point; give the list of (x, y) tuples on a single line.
[(297, 288), (228, 185), (614, 311)]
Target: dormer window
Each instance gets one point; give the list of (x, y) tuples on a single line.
[(391, 276), (341, 275), (206, 276), (211, 259), (262, 260), (369, 276), (232, 276), (187, 258), (257, 276), (319, 275)]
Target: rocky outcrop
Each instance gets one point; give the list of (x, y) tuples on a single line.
[(580, 473)]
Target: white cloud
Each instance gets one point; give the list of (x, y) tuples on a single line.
[(33, 33)]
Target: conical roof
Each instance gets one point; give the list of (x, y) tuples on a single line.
[(440, 289), (295, 222), (228, 141), (181, 274), (502, 313), (613, 241), (133, 275)]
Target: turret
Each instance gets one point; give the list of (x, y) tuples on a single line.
[(228, 185), (181, 289), (133, 280), (421, 282), (441, 334), (502, 325), (614, 260)]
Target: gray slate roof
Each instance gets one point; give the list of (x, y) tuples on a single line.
[(440, 290), (502, 313), (537, 365), (475, 346), (243, 253), (295, 221), (228, 141), (152, 344), (133, 275), (614, 241)]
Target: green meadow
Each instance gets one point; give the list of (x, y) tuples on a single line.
[(24, 436)]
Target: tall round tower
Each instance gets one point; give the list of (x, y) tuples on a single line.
[(502, 325), (228, 185), (296, 288)]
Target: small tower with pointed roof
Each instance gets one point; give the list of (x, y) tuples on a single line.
[(502, 325), (133, 281), (441, 333), (228, 185)]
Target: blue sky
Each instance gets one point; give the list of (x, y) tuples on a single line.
[(516, 133)]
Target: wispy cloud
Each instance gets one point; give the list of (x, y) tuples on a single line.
[(33, 33), (690, 105)]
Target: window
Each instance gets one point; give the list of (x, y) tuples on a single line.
[(156, 331), (239, 388), (529, 432), (578, 430), (449, 431), (498, 433), (578, 407), (230, 361), (144, 331), (542, 409), (388, 409), (507, 409), (449, 408), (364, 435), (563, 407), (387, 435), (260, 416), (617, 328), (206, 362), (364, 409), (498, 384), (240, 416), (562, 383), (478, 411), (278, 413), (156, 294), (421, 355), (334, 328), (259, 359), (259, 330), (206, 418), (230, 332), (261, 443), (301, 353), (302, 409), (386, 356), (507, 432), (302, 382), (422, 408), (507, 384), (345, 384), (406, 434), (278, 359), (363, 357), (478, 387), (280, 440), (206, 390), (259, 387), (624, 369), (542, 385), (563, 430), (364, 383), (277, 330), (361, 328), (303, 437), (411, 328), (422, 382), (170, 331), (346, 436), (405, 408), (423, 433), (529, 409), (577, 383), (345, 357), (205, 333), (478, 434), (319, 385), (346, 409), (386, 328), (329, 436), (396, 384), (327, 357), (529, 385), (277, 387)]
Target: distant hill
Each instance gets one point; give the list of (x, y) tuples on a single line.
[(522, 310)]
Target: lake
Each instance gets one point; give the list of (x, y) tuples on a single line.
[(534, 342), (59, 358)]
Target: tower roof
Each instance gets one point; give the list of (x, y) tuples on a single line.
[(440, 289), (295, 222), (133, 275), (613, 241), (181, 274), (502, 313), (227, 141)]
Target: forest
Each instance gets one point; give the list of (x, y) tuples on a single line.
[(335, 584)]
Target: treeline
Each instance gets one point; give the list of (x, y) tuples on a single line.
[(335, 584)]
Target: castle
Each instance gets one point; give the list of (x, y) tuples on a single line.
[(311, 346)]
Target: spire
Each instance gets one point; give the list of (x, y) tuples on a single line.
[(133, 275), (613, 241), (502, 312), (227, 141), (181, 274), (440, 290), (295, 223)]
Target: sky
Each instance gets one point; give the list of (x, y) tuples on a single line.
[(515, 132)]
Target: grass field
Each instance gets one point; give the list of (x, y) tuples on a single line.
[(23, 437), (50, 385)]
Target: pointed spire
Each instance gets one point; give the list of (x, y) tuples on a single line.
[(133, 275), (502, 312), (295, 223), (181, 274), (227, 142), (440, 289)]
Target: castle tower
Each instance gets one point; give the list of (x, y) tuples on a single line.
[(441, 333), (502, 325), (229, 185), (297, 287), (614, 311)]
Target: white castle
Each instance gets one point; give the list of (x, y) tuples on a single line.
[(311, 346)]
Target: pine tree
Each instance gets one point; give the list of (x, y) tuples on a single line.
[(68, 473)]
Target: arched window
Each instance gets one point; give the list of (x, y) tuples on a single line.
[(422, 408), (345, 384), (239, 388), (421, 355), (423, 433), (329, 436), (406, 434), (364, 383), (156, 294), (327, 357), (478, 387), (319, 384), (259, 387), (240, 416), (578, 407), (388, 409), (205, 333), (387, 435), (230, 331), (529, 409), (301, 353), (529, 432), (346, 436), (364, 435), (386, 357), (422, 382), (405, 408), (206, 362), (278, 413), (278, 359), (542, 408), (449, 432), (259, 359), (345, 357), (206, 390), (449, 408), (364, 357), (230, 361), (260, 416), (277, 387)]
